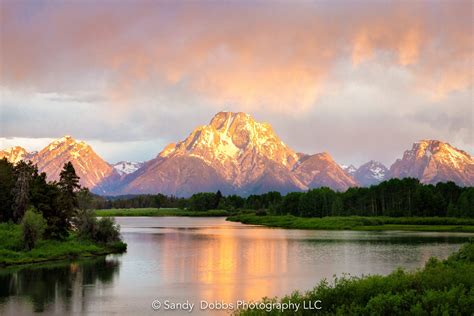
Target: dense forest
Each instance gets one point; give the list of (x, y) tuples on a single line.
[(395, 197), (49, 209), (22, 186)]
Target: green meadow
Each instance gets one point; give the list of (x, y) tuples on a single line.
[(358, 222), (158, 212)]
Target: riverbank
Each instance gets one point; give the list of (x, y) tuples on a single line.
[(439, 224), (158, 212), (12, 251), (440, 288)]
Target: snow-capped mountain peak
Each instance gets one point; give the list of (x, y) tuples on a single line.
[(66, 142), (230, 134), (349, 169), (14, 154), (240, 155), (377, 169), (91, 169), (232, 143), (127, 167), (236, 154), (433, 161), (370, 173)]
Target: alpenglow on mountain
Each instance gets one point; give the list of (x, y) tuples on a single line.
[(236, 154), (433, 161), (92, 170), (15, 154)]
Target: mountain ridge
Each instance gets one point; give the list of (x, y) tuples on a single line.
[(236, 154), (371, 173), (433, 161)]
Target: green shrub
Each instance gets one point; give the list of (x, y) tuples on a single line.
[(107, 231), (441, 288), (85, 224), (33, 226), (103, 231)]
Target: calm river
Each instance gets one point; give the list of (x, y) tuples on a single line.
[(183, 259)]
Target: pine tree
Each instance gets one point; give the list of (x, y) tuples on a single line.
[(337, 206), (7, 183), (21, 191), (69, 185), (67, 202), (217, 199)]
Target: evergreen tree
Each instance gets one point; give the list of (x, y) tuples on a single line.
[(21, 191), (202, 201), (68, 185), (218, 198), (466, 203), (7, 183), (84, 199), (45, 198), (290, 203), (337, 206), (67, 201)]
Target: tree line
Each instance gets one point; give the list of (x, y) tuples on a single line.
[(49, 209), (394, 197)]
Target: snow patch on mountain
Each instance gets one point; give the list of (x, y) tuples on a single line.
[(349, 169), (434, 161), (236, 146), (127, 167), (370, 173)]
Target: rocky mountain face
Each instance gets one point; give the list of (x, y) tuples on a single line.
[(95, 173), (433, 161), (14, 154), (320, 170), (127, 167), (92, 169), (349, 169), (236, 154), (236, 146), (244, 154), (370, 173), (180, 176)]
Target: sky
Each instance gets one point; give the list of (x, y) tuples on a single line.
[(361, 80)]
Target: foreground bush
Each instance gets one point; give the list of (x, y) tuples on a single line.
[(107, 231), (441, 288), (104, 230), (33, 226), (12, 251)]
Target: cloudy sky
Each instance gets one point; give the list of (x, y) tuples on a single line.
[(360, 79)]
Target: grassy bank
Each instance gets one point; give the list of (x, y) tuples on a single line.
[(359, 223), (12, 251), (158, 212), (441, 288)]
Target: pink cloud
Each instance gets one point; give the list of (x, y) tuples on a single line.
[(278, 57)]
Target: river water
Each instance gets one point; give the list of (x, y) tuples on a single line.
[(208, 260)]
